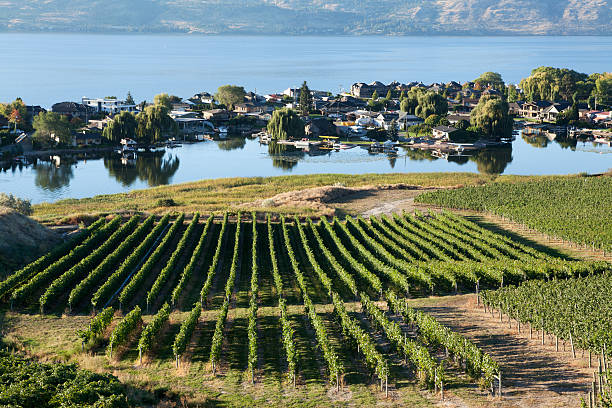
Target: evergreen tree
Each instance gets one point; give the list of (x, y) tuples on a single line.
[(129, 100), (305, 101), (392, 132)]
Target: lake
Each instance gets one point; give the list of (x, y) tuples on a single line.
[(49, 68), (240, 157)]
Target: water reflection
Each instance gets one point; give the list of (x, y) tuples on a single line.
[(492, 161), (153, 168), (232, 143), (51, 176)]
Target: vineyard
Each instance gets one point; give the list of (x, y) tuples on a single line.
[(576, 209), (310, 301)]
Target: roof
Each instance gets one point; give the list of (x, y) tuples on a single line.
[(445, 129), (70, 107)]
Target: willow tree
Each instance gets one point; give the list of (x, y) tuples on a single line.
[(154, 125), (492, 79), (285, 123), (431, 103), (123, 126), (491, 116)]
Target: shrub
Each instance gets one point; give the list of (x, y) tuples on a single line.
[(20, 205), (165, 202)]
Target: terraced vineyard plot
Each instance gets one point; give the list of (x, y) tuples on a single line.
[(299, 304)]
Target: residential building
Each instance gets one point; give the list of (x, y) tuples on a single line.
[(405, 120), (87, 139), (218, 115), (321, 127), (109, 105), (189, 126), (443, 132), (361, 90), (73, 110)]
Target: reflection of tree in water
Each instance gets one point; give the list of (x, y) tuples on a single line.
[(567, 142), (538, 141), (283, 156), (493, 161), (392, 159), (459, 159), (232, 143), (52, 178), (152, 168), (420, 155)]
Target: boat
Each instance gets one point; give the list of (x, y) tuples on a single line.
[(21, 160)]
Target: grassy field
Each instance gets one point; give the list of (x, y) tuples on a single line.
[(322, 268), (233, 193)]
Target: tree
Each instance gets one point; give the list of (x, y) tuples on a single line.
[(550, 84), (389, 95), (491, 116), (52, 128), (512, 92), (402, 95), (603, 89), (230, 95), (431, 103), (163, 100), (462, 124), (16, 112), (285, 124), (305, 100), (492, 79), (154, 124), (129, 100), (568, 116), (122, 126), (392, 132), (374, 96)]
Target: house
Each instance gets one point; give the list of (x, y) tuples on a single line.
[(99, 124), (109, 105), (405, 120), (384, 119), (202, 97), (321, 127), (33, 111), (365, 91), (218, 115), (73, 110), (343, 104), (514, 108), (550, 113), (250, 107), (443, 132), (458, 117), (87, 139), (189, 126)]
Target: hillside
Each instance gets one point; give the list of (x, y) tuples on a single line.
[(28, 239), (315, 17)]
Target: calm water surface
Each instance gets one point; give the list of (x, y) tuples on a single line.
[(241, 157), (49, 68)]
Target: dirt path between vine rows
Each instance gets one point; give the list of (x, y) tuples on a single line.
[(532, 375)]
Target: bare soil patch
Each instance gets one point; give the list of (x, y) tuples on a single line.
[(337, 200), (532, 375)]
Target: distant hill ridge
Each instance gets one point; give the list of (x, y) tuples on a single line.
[(314, 17)]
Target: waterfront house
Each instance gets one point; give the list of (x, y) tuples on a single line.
[(73, 110), (551, 112), (543, 110), (191, 126), (87, 138), (514, 108), (384, 119), (443, 132), (321, 127), (109, 105), (99, 124), (453, 119), (202, 97), (405, 120), (217, 115)]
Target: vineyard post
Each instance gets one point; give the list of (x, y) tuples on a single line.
[(530, 331), (542, 331), (499, 377), (442, 389), (177, 361), (140, 355), (572, 344), (599, 377), (387, 385), (435, 381), (519, 325), (589, 358), (556, 343)]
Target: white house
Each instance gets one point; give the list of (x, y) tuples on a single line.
[(108, 105)]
